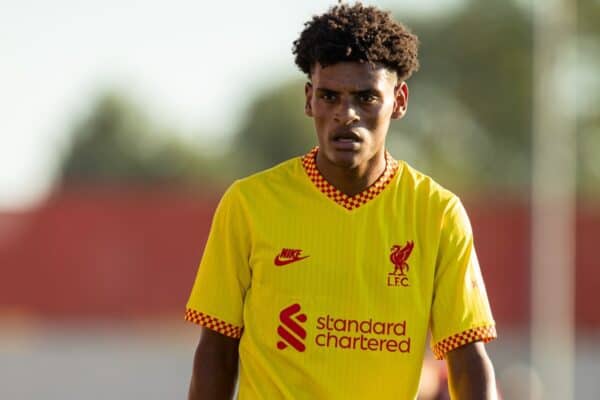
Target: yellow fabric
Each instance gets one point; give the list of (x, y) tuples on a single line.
[(365, 320)]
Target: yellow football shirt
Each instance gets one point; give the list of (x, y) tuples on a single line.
[(333, 296)]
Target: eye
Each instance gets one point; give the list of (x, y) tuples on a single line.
[(328, 97), (368, 98)]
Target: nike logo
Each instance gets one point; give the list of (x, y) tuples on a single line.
[(288, 256)]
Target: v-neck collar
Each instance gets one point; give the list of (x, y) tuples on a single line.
[(309, 162)]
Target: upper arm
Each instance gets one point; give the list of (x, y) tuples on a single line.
[(213, 344), (470, 372), (215, 366), (217, 300)]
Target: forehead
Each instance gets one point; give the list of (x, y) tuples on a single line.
[(352, 76)]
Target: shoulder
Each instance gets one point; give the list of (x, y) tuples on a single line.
[(432, 198), (424, 189), (272, 180)]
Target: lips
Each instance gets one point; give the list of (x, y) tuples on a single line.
[(346, 140), (346, 136)]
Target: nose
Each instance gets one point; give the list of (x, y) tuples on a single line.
[(346, 113)]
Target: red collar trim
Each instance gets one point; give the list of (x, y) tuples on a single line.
[(309, 162)]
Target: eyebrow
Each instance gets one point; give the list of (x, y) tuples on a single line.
[(360, 91)]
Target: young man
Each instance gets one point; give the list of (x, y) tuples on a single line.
[(323, 276)]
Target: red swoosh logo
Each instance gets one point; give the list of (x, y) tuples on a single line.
[(283, 261)]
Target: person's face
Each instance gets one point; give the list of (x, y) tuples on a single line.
[(352, 104)]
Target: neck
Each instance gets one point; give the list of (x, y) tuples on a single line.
[(352, 181)]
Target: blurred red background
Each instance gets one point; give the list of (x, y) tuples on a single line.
[(127, 254)]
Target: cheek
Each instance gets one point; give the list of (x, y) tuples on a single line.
[(387, 111), (320, 109), (319, 121), (388, 108), (377, 118), (321, 115)]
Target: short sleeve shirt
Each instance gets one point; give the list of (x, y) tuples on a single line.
[(333, 297)]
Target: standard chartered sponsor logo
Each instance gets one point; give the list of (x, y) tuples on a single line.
[(363, 335), (341, 333)]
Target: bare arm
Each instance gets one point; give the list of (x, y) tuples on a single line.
[(215, 367), (471, 374)]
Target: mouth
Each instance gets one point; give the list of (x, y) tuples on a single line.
[(346, 136), (346, 140)]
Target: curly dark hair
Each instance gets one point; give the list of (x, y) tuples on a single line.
[(357, 33)]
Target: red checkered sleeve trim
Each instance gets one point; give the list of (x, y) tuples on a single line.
[(483, 333), (213, 323)]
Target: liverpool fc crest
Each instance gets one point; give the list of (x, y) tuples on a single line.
[(398, 257)]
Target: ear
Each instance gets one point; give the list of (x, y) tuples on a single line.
[(308, 94), (400, 100)]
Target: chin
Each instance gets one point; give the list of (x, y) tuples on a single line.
[(344, 159)]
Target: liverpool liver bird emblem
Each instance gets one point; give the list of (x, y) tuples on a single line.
[(399, 256)]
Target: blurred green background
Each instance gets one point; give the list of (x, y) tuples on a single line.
[(469, 124), (118, 131)]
